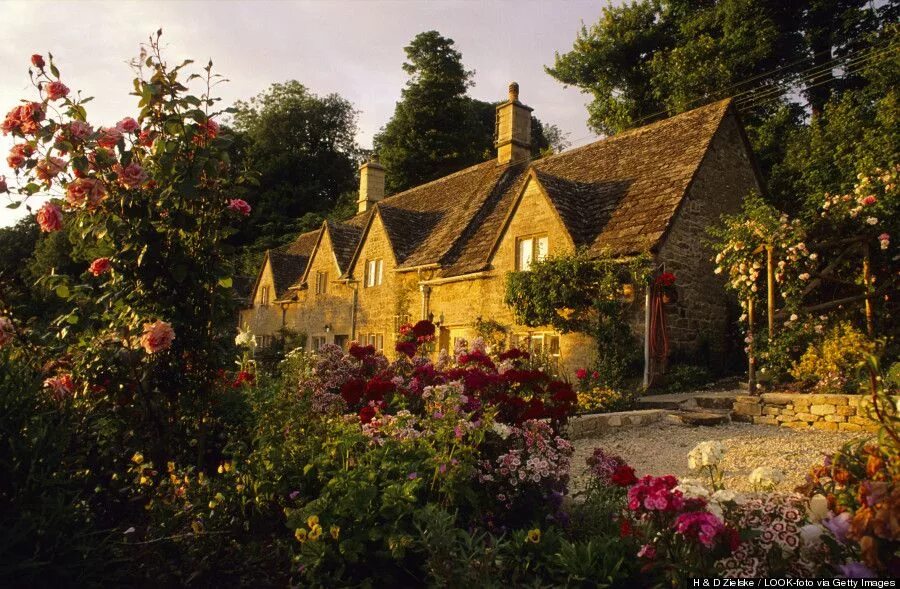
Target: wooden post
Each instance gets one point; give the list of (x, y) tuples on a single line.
[(647, 337), (867, 283), (770, 287), (751, 368)]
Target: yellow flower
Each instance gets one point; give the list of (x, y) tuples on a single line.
[(534, 536), (335, 532), (315, 533), (312, 521), (137, 458), (171, 466), (145, 480), (300, 534)]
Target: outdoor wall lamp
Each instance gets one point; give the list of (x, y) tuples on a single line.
[(327, 328)]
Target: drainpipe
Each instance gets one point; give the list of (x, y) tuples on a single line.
[(353, 313), (647, 337), (426, 299)]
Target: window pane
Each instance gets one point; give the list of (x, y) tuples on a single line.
[(525, 253), (379, 342), (378, 281), (553, 345), (541, 247)]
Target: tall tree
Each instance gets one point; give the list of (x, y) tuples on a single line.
[(437, 129), (304, 148)]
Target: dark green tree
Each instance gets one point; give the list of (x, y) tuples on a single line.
[(303, 147)]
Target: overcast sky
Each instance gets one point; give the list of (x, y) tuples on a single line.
[(352, 48)]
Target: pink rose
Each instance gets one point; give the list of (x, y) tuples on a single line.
[(7, 330), (131, 176), (79, 131), (239, 206), (146, 137), (60, 386), (23, 119), (581, 374), (128, 125), (157, 336), (99, 266), (85, 191), (49, 168), (3, 186), (49, 217), (56, 90), (206, 131), (18, 154), (109, 137), (37, 61)]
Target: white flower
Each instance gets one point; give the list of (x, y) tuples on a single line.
[(813, 256), (811, 534), (709, 453), (501, 429), (872, 221), (765, 477), (724, 496), (794, 317), (692, 488), (804, 276), (245, 339), (718, 270), (818, 508)]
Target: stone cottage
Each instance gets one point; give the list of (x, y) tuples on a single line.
[(441, 250)]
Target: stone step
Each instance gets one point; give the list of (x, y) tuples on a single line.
[(660, 403), (698, 418), (717, 402)]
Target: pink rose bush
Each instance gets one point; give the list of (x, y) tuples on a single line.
[(49, 218), (239, 206), (157, 336)]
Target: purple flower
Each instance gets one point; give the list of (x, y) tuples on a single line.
[(856, 570), (838, 525), (412, 476), (293, 495)]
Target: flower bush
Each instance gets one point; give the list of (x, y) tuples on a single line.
[(594, 397), (835, 364)]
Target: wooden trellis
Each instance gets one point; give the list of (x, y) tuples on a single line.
[(868, 294)]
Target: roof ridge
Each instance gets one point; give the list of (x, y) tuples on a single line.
[(630, 132)]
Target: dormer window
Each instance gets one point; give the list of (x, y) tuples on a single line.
[(321, 282), (373, 273), (530, 250)]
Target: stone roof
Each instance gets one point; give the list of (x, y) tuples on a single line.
[(289, 261), (617, 194)]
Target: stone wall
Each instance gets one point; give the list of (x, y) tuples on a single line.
[(845, 413), (725, 177), (591, 426)]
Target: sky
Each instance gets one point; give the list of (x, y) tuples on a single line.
[(354, 48)]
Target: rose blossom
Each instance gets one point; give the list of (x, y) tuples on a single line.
[(18, 154), (885, 240), (3, 186), (127, 125), (60, 386), (56, 90), (49, 168), (157, 336), (85, 191), (7, 330), (109, 137), (239, 206), (872, 220), (37, 61), (131, 176), (869, 200), (79, 130), (49, 217), (99, 266)]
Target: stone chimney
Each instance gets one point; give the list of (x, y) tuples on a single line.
[(513, 129), (371, 184)]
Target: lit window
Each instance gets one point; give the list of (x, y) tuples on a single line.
[(542, 346), (373, 273), (321, 282), (530, 250)]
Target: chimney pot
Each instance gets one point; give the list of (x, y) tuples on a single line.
[(513, 91), (371, 184)]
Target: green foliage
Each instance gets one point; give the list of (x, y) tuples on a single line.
[(303, 148), (834, 365), (685, 377), (584, 294)]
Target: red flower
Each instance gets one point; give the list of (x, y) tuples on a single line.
[(535, 410), (49, 217), (37, 61), (352, 391), (239, 206), (623, 476), (127, 125), (99, 266), (378, 387), (514, 354), (243, 377), (581, 373), (424, 329), (625, 528), (562, 393), (366, 414), (56, 90), (665, 279), (407, 348), (3, 186), (360, 352), (18, 154)]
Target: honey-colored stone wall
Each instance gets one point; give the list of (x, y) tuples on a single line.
[(724, 179), (846, 413), (263, 319)]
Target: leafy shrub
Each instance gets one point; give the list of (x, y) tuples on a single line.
[(594, 397), (685, 377), (834, 364)]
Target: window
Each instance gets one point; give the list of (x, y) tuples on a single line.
[(341, 341), (264, 296), (321, 282), (375, 340), (540, 345), (317, 342), (265, 341), (400, 320), (530, 250), (374, 273)]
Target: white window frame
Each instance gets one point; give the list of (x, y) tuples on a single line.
[(376, 340), (321, 340), (529, 250), (321, 282), (374, 272), (264, 296)]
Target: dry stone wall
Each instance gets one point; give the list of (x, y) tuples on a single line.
[(845, 413)]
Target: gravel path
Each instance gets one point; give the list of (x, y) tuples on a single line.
[(662, 449)]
